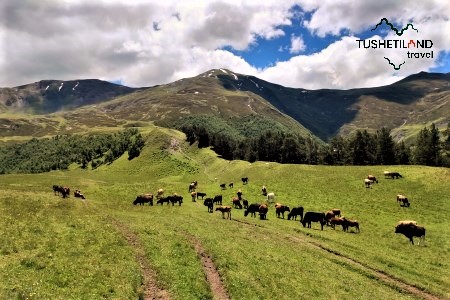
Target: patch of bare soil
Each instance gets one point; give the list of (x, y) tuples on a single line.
[(212, 275), (380, 275), (150, 289)]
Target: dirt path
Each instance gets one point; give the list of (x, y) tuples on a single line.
[(211, 273), (150, 289)]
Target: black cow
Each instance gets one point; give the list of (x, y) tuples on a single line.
[(78, 194), (231, 185), (244, 180), (223, 186), (175, 198), (311, 216), (280, 209), (201, 195), (192, 186), (393, 175), (263, 209), (142, 199), (245, 203), (239, 194), (296, 211), (349, 223), (411, 230), (252, 209), (163, 199), (208, 202), (217, 199)]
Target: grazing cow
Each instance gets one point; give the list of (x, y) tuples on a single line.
[(296, 211), (192, 186), (65, 192), (328, 215), (263, 209), (142, 199), (245, 203), (239, 194), (201, 195), (336, 212), (411, 230), (210, 204), (264, 190), (350, 223), (252, 209), (176, 198), (337, 221), (223, 186), (236, 203), (57, 189), (78, 194), (217, 199), (368, 183), (231, 185), (280, 209), (193, 195), (403, 200), (224, 210), (159, 193), (372, 178), (244, 180), (311, 216), (162, 200), (271, 197), (393, 175)]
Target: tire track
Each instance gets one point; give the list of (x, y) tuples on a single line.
[(212, 275), (149, 288)]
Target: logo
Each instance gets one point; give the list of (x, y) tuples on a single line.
[(414, 47)]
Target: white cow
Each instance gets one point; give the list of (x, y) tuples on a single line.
[(271, 197)]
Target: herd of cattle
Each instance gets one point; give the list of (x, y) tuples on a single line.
[(329, 218), (332, 217)]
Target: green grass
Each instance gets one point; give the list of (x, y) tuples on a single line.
[(67, 249)]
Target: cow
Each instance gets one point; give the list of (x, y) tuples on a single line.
[(245, 203), (175, 198), (57, 189), (392, 175), (296, 211), (224, 210), (336, 212), (231, 185), (350, 223), (65, 191), (252, 209), (236, 203), (403, 200), (223, 186), (372, 178), (208, 202), (244, 180), (142, 199), (193, 195), (311, 216), (201, 195), (328, 215), (280, 209), (368, 183), (264, 190), (271, 197), (239, 194), (78, 194), (217, 199), (337, 221), (163, 199), (192, 186), (263, 209), (159, 193), (411, 230)]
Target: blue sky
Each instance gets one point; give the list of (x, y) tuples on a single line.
[(304, 44)]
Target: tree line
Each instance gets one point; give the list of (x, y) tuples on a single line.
[(59, 152), (361, 148)]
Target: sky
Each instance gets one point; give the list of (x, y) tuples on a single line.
[(302, 44)]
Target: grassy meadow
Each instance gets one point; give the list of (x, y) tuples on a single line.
[(54, 248)]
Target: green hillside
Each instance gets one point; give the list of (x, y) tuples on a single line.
[(105, 247)]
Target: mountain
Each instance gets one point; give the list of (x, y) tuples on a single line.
[(74, 106)]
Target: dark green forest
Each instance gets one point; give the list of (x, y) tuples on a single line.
[(59, 152)]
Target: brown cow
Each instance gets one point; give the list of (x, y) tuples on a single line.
[(372, 178), (224, 210), (263, 209), (337, 221), (350, 223), (236, 202), (280, 209)]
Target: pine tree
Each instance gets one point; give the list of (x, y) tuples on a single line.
[(385, 154)]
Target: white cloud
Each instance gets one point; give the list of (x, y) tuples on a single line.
[(74, 39), (297, 44)]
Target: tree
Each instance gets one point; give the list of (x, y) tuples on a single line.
[(385, 154), (427, 150), (402, 154)]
